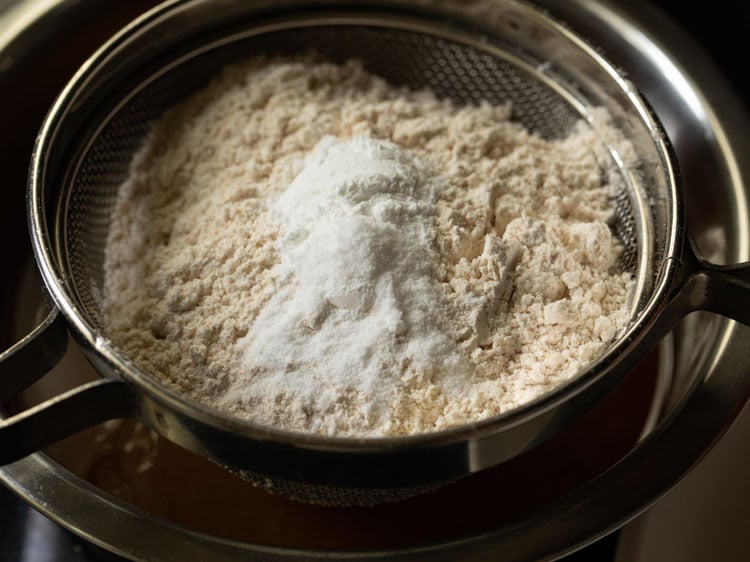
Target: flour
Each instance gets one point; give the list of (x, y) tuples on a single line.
[(306, 246)]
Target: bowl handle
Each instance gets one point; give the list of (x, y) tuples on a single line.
[(60, 416)]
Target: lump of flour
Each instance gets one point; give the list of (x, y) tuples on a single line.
[(306, 246)]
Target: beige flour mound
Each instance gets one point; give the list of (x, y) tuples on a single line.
[(521, 257)]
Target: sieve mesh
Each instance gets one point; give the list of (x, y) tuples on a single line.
[(332, 496), (462, 72)]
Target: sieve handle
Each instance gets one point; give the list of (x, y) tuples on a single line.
[(33, 429), (722, 289), (33, 356), (702, 285), (65, 415)]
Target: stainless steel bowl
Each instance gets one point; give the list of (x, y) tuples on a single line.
[(708, 385)]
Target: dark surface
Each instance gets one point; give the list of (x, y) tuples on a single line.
[(720, 27), (27, 536)]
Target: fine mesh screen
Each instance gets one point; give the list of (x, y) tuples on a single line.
[(414, 59), (328, 495)]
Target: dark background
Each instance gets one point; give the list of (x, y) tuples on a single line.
[(720, 26)]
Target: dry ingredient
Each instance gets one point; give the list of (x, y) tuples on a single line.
[(357, 306), (303, 245)]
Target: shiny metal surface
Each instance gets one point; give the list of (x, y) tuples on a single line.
[(650, 469)]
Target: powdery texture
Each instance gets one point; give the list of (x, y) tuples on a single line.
[(506, 285)]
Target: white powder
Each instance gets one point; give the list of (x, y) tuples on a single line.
[(356, 290), (306, 246)]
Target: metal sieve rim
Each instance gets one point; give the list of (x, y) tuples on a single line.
[(115, 365)]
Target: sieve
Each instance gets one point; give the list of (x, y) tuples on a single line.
[(512, 53)]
